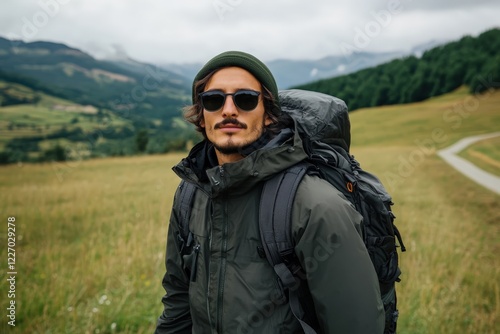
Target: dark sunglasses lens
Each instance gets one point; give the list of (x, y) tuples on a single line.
[(246, 100), (212, 101)]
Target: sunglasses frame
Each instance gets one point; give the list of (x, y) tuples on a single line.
[(234, 95)]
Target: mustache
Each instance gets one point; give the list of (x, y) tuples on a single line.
[(230, 121)]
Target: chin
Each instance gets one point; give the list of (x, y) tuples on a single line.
[(228, 149)]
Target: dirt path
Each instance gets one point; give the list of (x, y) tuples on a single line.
[(486, 179)]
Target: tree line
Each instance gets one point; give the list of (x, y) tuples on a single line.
[(80, 145), (470, 61)]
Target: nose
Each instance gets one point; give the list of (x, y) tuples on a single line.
[(229, 108)]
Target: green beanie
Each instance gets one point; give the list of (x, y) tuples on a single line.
[(245, 61)]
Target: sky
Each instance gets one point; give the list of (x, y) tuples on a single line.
[(161, 32)]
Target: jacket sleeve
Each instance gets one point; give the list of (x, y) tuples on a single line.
[(176, 316), (341, 277)]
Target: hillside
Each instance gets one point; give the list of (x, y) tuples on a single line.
[(474, 62), (124, 107), (145, 91), (289, 73), (53, 128), (36, 126), (33, 75)]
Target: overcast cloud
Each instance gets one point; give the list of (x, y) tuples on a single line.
[(193, 31)]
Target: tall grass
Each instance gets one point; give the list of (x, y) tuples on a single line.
[(91, 235), (451, 271), (90, 243)]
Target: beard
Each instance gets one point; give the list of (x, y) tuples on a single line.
[(230, 147)]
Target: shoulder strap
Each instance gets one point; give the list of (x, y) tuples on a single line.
[(186, 194), (275, 215)]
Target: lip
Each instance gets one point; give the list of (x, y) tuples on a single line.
[(230, 128)]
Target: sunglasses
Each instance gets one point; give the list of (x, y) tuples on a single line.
[(244, 99)]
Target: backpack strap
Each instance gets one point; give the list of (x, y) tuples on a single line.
[(185, 199), (275, 216)]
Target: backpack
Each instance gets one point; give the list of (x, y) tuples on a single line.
[(323, 124)]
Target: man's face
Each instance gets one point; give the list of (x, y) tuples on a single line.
[(245, 127)]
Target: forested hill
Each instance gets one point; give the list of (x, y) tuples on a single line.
[(471, 61)]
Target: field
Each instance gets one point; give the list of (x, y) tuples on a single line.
[(90, 235)]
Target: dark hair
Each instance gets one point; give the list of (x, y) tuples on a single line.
[(194, 113)]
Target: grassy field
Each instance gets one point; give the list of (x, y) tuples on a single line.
[(90, 235)]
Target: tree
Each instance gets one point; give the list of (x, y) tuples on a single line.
[(141, 140), (56, 153)]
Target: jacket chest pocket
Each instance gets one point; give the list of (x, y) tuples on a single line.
[(191, 262), (193, 256)]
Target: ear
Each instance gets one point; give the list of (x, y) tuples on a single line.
[(267, 120), (202, 122)]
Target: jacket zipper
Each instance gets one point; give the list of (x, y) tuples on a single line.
[(194, 265), (222, 273)]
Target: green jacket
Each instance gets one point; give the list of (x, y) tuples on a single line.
[(223, 285)]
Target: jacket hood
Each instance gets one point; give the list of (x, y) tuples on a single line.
[(199, 167)]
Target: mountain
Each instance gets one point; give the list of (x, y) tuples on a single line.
[(58, 95), (56, 99), (470, 61), (289, 73), (186, 70), (72, 74)]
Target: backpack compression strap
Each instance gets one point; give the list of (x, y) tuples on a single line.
[(275, 216), (185, 200)]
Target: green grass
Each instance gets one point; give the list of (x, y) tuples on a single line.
[(438, 122), (451, 273), (485, 154), (91, 234), (88, 230)]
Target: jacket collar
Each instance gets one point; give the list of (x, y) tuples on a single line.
[(277, 154)]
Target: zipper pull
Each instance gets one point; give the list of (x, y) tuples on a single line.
[(194, 265), (190, 239)]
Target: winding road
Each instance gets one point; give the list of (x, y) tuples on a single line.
[(480, 176)]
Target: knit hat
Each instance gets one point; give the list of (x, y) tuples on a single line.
[(245, 61)]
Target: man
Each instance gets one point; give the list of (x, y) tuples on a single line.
[(220, 282)]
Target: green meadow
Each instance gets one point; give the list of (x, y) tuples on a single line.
[(90, 235)]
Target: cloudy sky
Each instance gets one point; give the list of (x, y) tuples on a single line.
[(193, 31)]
